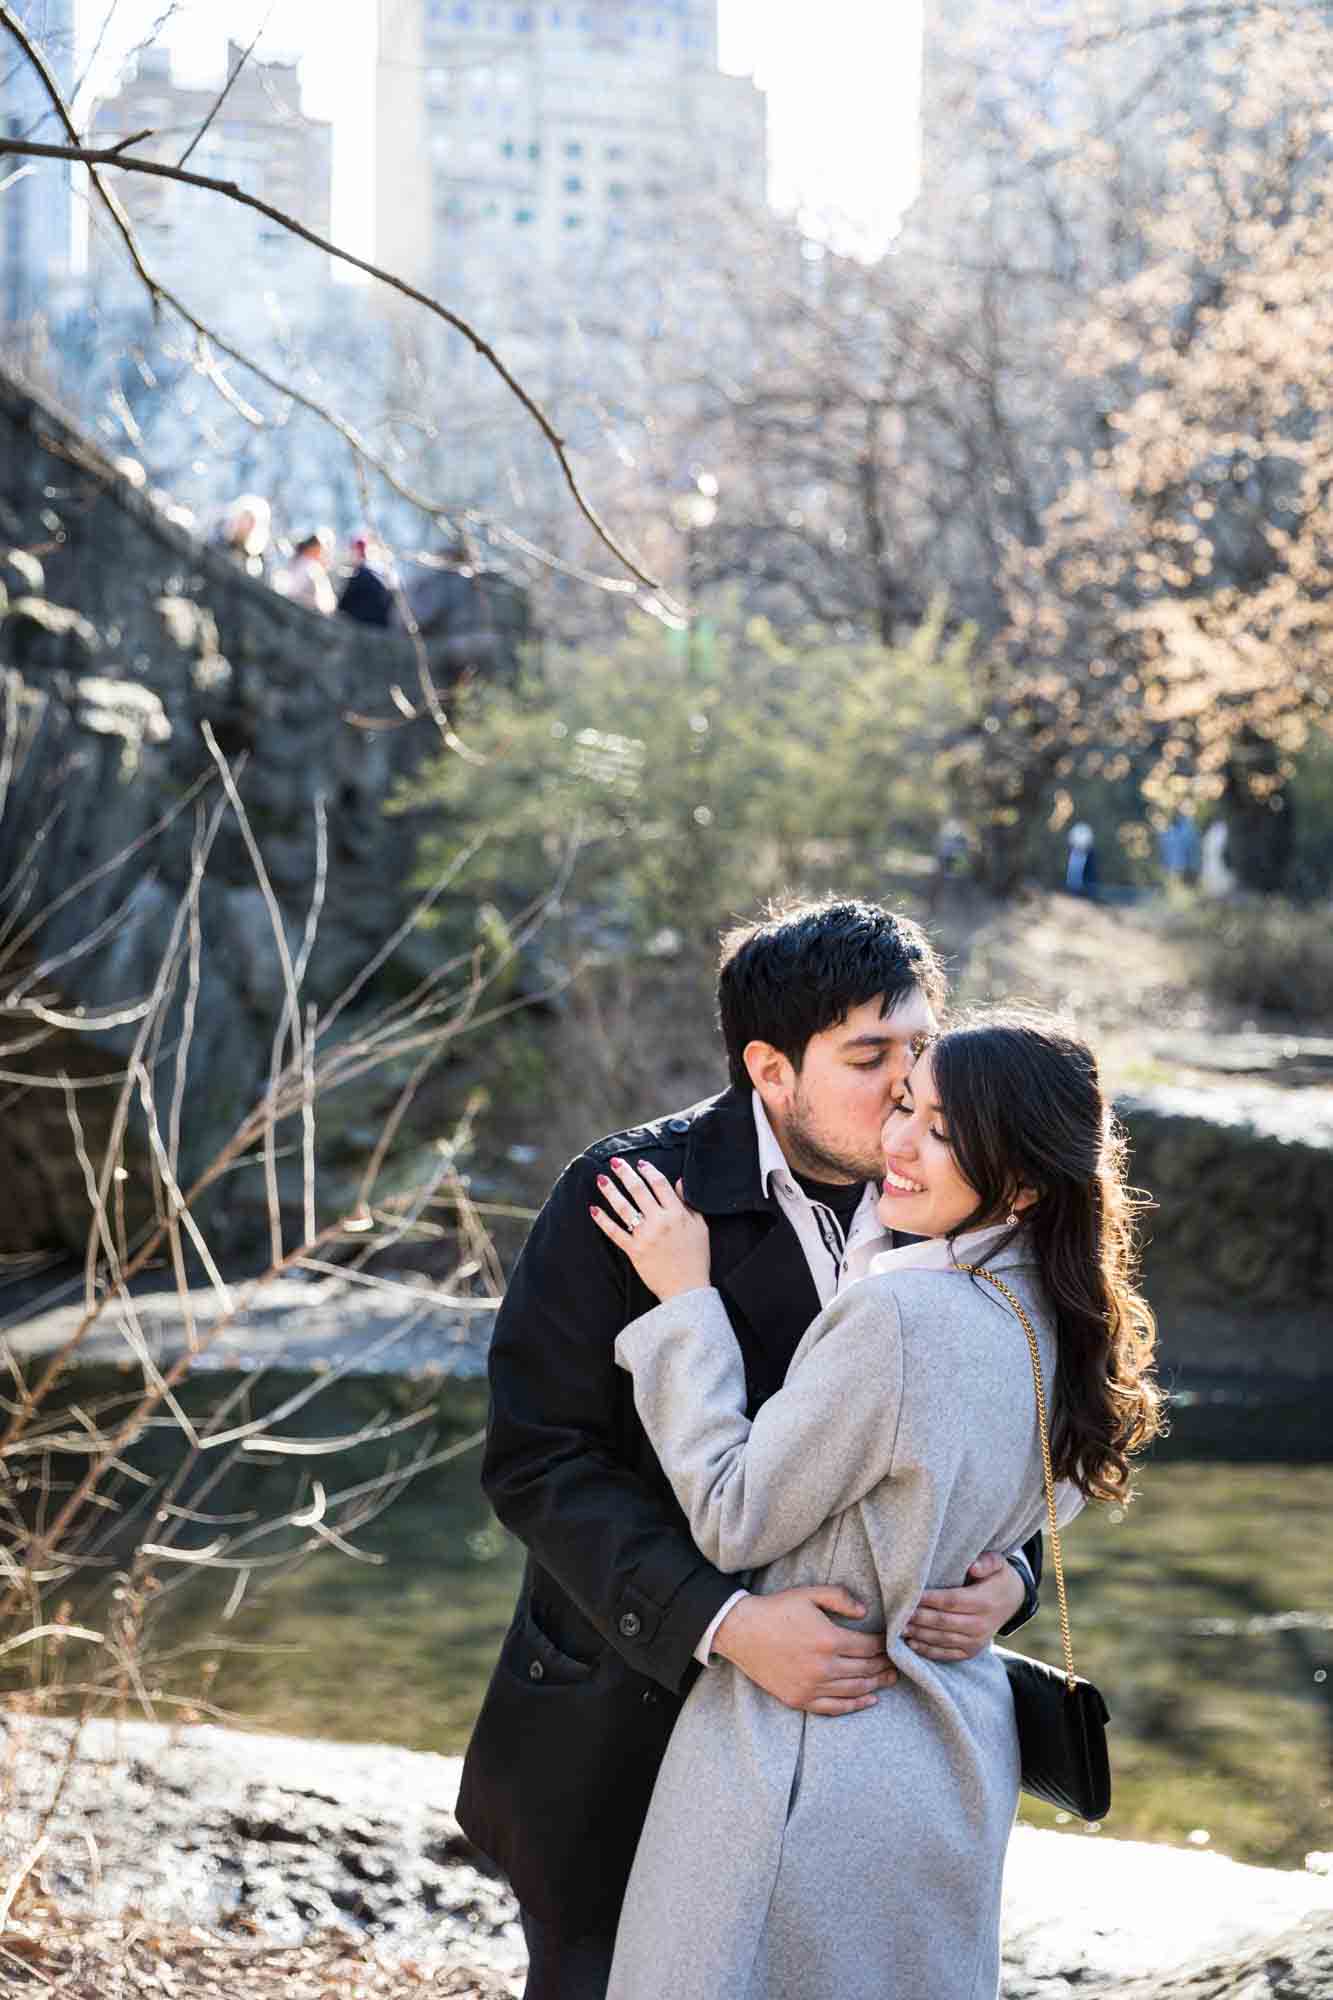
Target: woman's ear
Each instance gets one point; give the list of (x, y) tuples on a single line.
[(769, 1071), (1025, 1198)]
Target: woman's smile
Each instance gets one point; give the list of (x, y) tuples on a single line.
[(896, 1182)]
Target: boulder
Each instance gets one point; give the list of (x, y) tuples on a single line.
[(1239, 1244)]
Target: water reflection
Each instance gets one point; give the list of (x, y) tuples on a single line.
[(1204, 1611)]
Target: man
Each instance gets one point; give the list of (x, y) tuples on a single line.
[(822, 1009), (365, 595)]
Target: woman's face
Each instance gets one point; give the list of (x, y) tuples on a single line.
[(924, 1193)]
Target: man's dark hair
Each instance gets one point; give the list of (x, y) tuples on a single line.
[(802, 969)]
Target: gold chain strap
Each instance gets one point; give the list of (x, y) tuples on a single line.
[(1048, 1475)]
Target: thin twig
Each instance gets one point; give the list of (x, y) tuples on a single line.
[(95, 157), (225, 91)]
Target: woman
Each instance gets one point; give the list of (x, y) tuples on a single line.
[(790, 1857)]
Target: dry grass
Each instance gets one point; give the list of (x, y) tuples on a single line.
[(45, 1952)]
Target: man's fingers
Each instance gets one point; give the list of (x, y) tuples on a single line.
[(858, 1645), (986, 1566), (826, 1705), (855, 1685), (832, 1597), (961, 1642), (947, 1600), (944, 1621), (841, 1665), (927, 1652)]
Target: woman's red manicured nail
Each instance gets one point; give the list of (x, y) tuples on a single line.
[(602, 1181)]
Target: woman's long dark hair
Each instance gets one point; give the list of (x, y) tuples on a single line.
[(1024, 1109)]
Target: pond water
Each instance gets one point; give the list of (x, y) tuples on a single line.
[(1205, 1613)]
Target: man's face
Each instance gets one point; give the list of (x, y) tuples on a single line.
[(829, 1115)]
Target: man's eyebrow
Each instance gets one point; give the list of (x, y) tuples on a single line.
[(871, 1041)]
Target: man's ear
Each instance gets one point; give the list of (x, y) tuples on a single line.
[(769, 1070)]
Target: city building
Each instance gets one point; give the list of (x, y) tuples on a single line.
[(36, 206), (198, 243), (528, 136)]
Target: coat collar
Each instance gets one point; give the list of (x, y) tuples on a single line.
[(998, 1248), (721, 1173)]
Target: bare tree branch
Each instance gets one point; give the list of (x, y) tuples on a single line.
[(95, 157), (225, 92)]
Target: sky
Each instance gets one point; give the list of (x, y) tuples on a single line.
[(842, 83)]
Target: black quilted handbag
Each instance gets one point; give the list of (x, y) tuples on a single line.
[(1061, 1718)]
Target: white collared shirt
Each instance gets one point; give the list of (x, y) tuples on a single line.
[(941, 1253)]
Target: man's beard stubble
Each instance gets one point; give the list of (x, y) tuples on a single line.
[(818, 1157)]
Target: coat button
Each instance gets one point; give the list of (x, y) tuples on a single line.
[(678, 1124), (631, 1625), (649, 1698), (536, 1671)]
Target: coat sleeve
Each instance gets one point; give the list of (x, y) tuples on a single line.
[(555, 1469), (753, 1490)]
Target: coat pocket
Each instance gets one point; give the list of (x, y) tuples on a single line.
[(558, 1775), (534, 1656)]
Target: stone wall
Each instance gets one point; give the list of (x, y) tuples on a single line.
[(1239, 1258), (121, 636)]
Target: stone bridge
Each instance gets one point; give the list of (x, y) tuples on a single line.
[(121, 637)]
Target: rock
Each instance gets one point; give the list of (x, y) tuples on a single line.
[(1296, 1966), (1242, 1227), (188, 1832), (1088, 1915), (1294, 1059)]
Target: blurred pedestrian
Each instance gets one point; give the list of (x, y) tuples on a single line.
[(366, 595), (1081, 868), (951, 848), (306, 577), (243, 533), (1216, 878), (1180, 848)]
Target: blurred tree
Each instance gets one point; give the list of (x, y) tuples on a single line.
[(697, 780), (1179, 597)]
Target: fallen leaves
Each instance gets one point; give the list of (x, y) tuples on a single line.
[(48, 1952)]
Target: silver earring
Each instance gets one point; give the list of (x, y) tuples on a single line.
[(1011, 1220)]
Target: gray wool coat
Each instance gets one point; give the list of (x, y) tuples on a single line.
[(795, 1857)]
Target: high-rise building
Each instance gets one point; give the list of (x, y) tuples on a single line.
[(36, 211), (199, 243), (989, 69), (523, 134)]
